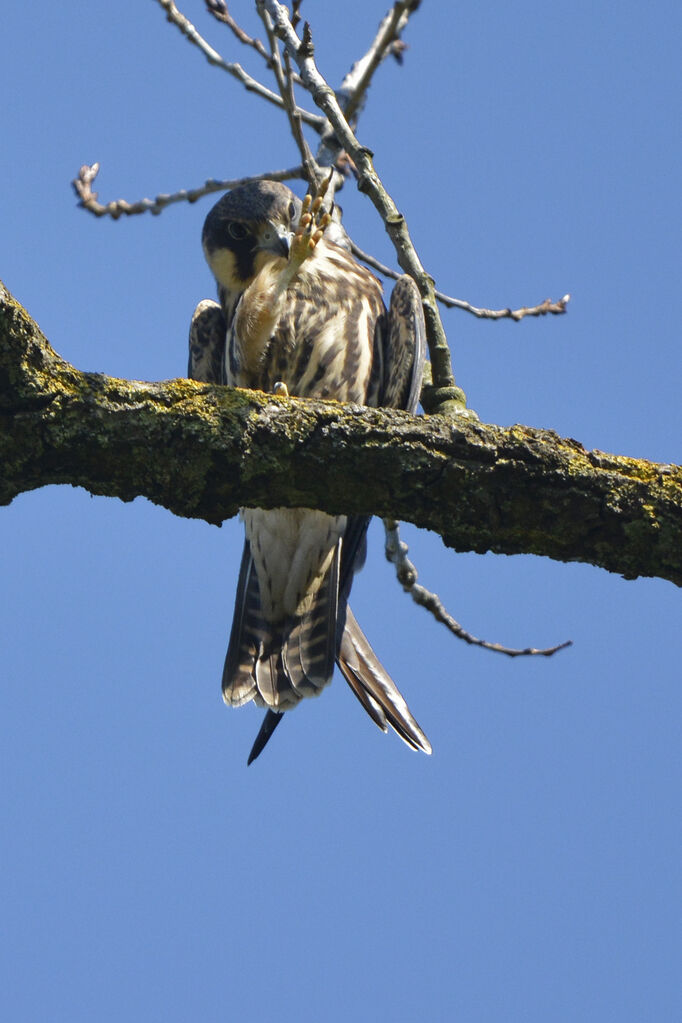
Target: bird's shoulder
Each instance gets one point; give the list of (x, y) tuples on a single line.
[(335, 269), (207, 343)]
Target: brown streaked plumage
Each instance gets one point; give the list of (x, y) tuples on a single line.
[(297, 310)]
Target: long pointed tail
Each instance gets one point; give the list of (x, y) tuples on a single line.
[(278, 664), (374, 688), (270, 722)]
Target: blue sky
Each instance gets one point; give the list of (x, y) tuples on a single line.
[(529, 869)]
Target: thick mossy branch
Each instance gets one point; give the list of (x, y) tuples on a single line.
[(202, 451)]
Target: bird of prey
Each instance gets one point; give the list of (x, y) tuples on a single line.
[(298, 315)]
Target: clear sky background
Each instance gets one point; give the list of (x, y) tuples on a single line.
[(528, 870)]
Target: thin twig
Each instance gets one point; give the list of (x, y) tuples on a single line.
[(296, 12), (219, 10), (275, 59), (310, 165), (396, 553), (548, 306), (542, 309), (354, 87), (236, 70), (87, 198), (286, 89)]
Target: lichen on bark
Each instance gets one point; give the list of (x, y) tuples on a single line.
[(203, 451)]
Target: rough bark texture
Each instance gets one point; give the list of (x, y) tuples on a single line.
[(203, 451)]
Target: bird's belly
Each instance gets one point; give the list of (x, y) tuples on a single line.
[(292, 549), (314, 353)]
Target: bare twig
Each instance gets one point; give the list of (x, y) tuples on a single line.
[(446, 396), (310, 165), (356, 83), (219, 10), (548, 306), (296, 12), (275, 59), (286, 89), (120, 207), (396, 553), (236, 70)]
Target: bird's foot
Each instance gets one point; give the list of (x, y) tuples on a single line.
[(311, 226)]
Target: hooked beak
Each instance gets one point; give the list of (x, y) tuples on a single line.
[(275, 238)]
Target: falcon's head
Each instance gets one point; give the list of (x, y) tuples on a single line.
[(248, 228)]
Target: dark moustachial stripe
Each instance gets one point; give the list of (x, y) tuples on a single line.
[(244, 249), (244, 253)]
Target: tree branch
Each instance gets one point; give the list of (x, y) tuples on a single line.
[(219, 10), (177, 18), (214, 449), (355, 85), (397, 551), (88, 198), (285, 84), (548, 306)]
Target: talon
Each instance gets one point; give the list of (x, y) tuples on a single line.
[(312, 223), (322, 190)]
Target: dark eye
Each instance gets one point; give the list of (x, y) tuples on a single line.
[(292, 210), (237, 231)]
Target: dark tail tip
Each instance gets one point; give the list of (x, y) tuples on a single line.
[(270, 722)]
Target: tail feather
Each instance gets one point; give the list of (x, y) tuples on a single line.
[(374, 687), (278, 664), (373, 708), (309, 648), (246, 638), (270, 721)]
